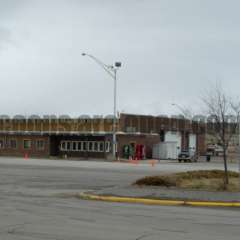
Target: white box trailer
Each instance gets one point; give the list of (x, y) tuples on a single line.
[(174, 136), (165, 150), (192, 143)]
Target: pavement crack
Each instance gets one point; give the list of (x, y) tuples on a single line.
[(170, 230), (144, 236), (13, 228)]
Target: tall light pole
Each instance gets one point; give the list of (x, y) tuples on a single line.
[(112, 71)]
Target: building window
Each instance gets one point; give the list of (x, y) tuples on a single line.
[(40, 144), (80, 146), (91, 146), (69, 146), (63, 146), (85, 146), (26, 144), (101, 147), (74, 146), (95, 146), (107, 146), (162, 136), (1, 143), (13, 143)]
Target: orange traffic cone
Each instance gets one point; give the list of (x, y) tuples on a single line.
[(152, 162), (26, 157), (135, 161)]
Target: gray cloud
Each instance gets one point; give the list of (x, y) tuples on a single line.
[(5, 36), (171, 51)]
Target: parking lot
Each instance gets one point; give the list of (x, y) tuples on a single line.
[(30, 208)]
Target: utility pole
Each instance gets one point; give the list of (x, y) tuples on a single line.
[(112, 71)]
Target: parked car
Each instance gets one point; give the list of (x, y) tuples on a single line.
[(214, 150), (187, 156)]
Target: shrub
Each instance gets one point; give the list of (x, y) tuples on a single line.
[(164, 181)]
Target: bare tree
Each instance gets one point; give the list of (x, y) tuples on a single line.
[(185, 112), (223, 120)]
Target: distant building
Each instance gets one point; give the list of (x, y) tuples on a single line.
[(92, 138)]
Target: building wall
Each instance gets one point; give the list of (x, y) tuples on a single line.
[(138, 129), (201, 146), (56, 125), (75, 148), (130, 123), (32, 151), (147, 140), (151, 124), (52, 146)]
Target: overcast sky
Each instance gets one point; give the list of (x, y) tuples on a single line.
[(171, 51)]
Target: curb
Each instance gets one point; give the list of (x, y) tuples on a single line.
[(158, 201)]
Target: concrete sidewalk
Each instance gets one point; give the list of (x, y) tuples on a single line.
[(168, 193)]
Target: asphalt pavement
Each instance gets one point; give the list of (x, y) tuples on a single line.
[(30, 207)]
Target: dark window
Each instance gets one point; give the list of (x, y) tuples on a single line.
[(13, 143), (63, 146), (79, 148), (74, 146), (40, 144), (26, 144), (162, 136), (107, 146), (1, 143), (90, 146), (96, 146), (84, 146), (101, 146), (68, 146)]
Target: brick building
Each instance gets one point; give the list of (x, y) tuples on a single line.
[(155, 129), (89, 137)]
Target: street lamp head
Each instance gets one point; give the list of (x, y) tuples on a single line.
[(118, 64)]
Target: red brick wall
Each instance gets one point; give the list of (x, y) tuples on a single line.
[(201, 147), (19, 150), (150, 124)]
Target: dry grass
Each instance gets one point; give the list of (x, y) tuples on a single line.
[(211, 180), (206, 174)]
